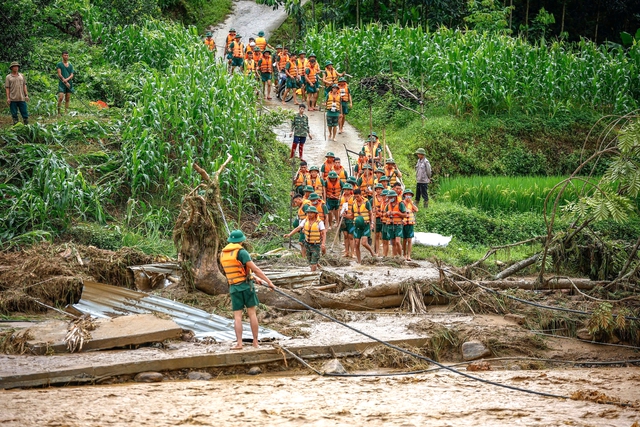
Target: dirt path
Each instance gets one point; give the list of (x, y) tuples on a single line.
[(436, 399)]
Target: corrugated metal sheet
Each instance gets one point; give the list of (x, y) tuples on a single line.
[(100, 300)]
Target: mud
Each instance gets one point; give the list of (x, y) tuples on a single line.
[(437, 399)]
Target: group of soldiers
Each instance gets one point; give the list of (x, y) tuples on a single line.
[(370, 208), (299, 73)]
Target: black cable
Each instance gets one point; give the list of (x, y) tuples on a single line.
[(584, 341), (418, 356)]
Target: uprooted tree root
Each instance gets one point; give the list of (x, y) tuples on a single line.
[(12, 342), (53, 274), (599, 397)]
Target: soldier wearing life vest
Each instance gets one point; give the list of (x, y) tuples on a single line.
[(362, 160), (291, 71), (315, 181), (378, 173), (339, 169), (300, 178), (409, 223), (384, 180), (330, 77), (366, 181), (332, 190), (238, 267), (227, 49), (345, 100), (301, 64), (250, 47), (210, 43), (333, 111), (314, 236), (301, 204), (237, 54), (265, 65), (378, 201), (346, 212), (250, 66), (327, 166), (373, 150), (257, 54), (396, 212), (320, 205), (392, 171), (311, 71), (386, 222), (261, 42), (361, 209)]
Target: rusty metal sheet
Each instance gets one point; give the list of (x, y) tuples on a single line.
[(103, 301)]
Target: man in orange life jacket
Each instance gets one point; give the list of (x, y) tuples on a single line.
[(300, 178), (396, 213), (333, 189), (312, 78), (210, 43), (315, 236), (333, 111), (362, 220), (339, 169), (265, 65), (237, 265), (237, 54), (291, 71), (327, 166), (227, 50), (409, 223), (346, 101)]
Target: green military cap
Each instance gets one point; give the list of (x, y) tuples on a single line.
[(314, 196), (14, 64), (209, 34), (333, 174), (380, 170), (383, 178), (420, 151), (314, 168), (308, 189), (373, 134), (352, 179), (301, 52), (366, 166), (312, 55), (326, 64), (279, 46), (407, 191), (312, 209), (348, 187), (238, 36), (378, 185), (341, 79), (260, 33), (236, 236), (334, 86), (256, 49), (232, 30), (361, 153), (330, 154), (390, 161)]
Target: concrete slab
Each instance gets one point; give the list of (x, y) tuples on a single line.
[(109, 333)]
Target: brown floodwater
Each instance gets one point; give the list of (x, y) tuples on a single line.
[(435, 399)]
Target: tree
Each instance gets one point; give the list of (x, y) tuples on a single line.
[(487, 15)]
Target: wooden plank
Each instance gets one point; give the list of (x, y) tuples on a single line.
[(91, 373), (109, 333)]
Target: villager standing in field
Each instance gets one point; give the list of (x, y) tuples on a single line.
[(299, 131), (64, 69), (346, 102), (423, 177), (17, 96), (315, 236), (409, 223), (266, 69), (362, 222), (238, 267), (333, 111)]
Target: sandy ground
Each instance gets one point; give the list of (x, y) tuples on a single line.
[(435, 399)]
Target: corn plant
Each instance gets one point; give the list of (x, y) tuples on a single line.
[(482, 73)]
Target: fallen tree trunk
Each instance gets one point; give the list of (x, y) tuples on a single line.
[(517, 267)]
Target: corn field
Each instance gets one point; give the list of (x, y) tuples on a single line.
[(488, 73)]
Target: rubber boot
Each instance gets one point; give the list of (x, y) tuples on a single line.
[(300, 148), (15, 120), (293, 151), (26, 121)]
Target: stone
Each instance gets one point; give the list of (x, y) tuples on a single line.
[(255, 370), (149, 377), (472, 350), (479, 366), (333, 366), (199, 376), (516, 318), (584, 334)]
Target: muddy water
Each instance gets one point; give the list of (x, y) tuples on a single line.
[(437, 399)]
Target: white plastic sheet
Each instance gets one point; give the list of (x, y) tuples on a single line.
[(431, 239)]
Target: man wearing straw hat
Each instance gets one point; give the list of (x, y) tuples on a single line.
[(238, 267), (17, 96)]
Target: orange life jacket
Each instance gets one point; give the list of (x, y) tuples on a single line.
[(333, 189), (391, 174), (313, 71), (331, 76), (360, 210), (395, 209), (328, 167), (378, 202), (249, 66), (248, 50), (320, 207), (210, 43), (367, 184), (316, 184), (312, 232), (371, 152), (350, 200), (283, 58), (266, 66), (411, 219), (333, 102), (233, 269), (301, 65), (238, 49), (342, 174), (383, 213), (301, 178), (257, 56), (344, 91), (301, 213), (293, 70), (261, 42), (360, 165), (230, 39)]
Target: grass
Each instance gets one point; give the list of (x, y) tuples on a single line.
[(207, 13)]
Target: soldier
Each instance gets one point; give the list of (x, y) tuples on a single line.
[(315, 236)]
